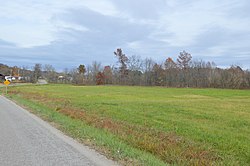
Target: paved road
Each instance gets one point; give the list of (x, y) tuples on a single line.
[(27, 140)]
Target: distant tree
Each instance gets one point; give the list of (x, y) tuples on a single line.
[(134, 63), (88, 74), (15, 71), (183, 62), (123, 59), (80, 76), (116, 75), (77, 78), (147, 69), (100, 78), (247, 79), (158, 75), (26, 74), (134, 77), (37, 72), (107, 71), (50, 73), (236, 77), (169, 64), (134, 70), (95, 68), (67, 77), (91, 72), (5, 70), (81, 69), (171, 72), (184, 59), (199, 74)]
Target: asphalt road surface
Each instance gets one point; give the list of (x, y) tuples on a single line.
[(27, 140)]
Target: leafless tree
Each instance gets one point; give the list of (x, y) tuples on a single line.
[(123, 60), (92, 71), (50, 73), (37, 72), (158, 73), (184, 59), (147, 70), (108, 75), (134, 70), (171, 71)]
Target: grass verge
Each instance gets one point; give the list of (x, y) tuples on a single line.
[(174, 126), (106, 143)]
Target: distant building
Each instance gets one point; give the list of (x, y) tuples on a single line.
[(61, 77), (2, 77), (10, 78)]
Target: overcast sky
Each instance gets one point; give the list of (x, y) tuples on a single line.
[(66, 33)]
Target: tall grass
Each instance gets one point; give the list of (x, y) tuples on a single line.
[(178, 126)]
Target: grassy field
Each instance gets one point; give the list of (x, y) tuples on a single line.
[(149, 125)]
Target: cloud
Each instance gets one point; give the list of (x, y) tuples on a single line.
[(66, 33), (140, 9), (6, 44), (30, 23)]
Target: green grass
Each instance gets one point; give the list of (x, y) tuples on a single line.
[(196, 126)]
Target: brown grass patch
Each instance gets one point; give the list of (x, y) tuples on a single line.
[(170, 147)]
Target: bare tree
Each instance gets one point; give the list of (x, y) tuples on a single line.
[(100, 78), (37, 72), (147, 69), (50, 73), (25, 73), (65, 76), (134, 70), (158, 73), (5, 70), (247, 79), (183, 62), (108, 74), (92, 71), (77, 78), (15, 71), (236, 77), (123, 60), (170, 64), (184, 59), (171, 72)]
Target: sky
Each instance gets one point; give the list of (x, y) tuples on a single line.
[(66, 33)]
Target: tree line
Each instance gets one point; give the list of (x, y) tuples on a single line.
[(132, 70)]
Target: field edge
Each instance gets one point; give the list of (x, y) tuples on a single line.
[(102, 141)]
